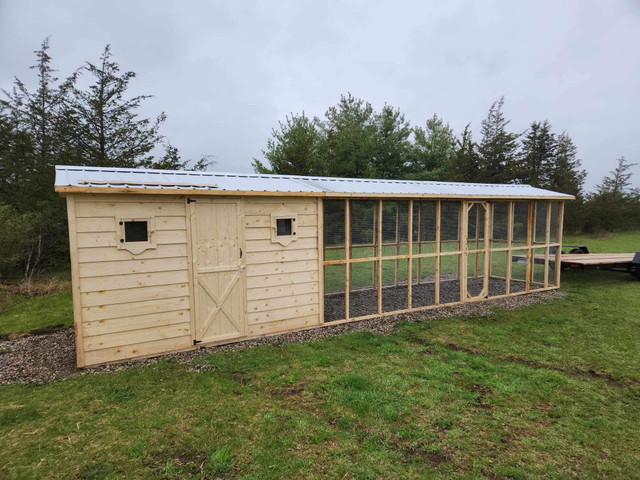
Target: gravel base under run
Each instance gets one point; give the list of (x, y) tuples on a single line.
[(43, 358), (365, 302)]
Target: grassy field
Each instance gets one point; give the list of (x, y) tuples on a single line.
[(546, 391)]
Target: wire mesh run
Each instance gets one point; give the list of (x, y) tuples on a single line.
[(447, 251)]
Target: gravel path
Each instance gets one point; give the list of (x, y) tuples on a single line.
[(43, 358)]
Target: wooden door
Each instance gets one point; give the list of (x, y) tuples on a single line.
[(218, 269), (474, 273)]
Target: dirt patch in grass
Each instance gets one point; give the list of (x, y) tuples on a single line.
[(36, 331), (42, 358)]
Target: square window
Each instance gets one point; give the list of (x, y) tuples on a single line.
[(284, 226), (136, 231)]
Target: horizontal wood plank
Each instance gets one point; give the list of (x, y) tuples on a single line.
[(123, 310), (264, 233), (282, 291), (130, 209), (283, 325), (114, 325), (306, 208), (127, 295), (284, 302), (268, 246), (110, 254), (261, 221), (127, 267), (134, 337), (108, 224), (281, 267), (262, 281), (281, 314), (138, 350), (111, 239), (116, 282), (254, 258)]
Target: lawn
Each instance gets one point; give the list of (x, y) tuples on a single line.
[(547, 391)]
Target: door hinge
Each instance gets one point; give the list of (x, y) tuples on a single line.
[(240, 253), (190, 200), (195, 342)]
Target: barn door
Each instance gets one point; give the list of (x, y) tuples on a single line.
[(475, 257), (218, 269)]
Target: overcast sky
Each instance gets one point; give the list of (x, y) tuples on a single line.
[(226, 72)]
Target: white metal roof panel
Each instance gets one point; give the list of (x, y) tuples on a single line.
[(69, 178)]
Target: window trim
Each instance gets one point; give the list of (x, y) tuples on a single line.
[(284, 214), (135, 247)]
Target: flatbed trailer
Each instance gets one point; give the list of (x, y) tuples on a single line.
[(620, 262)]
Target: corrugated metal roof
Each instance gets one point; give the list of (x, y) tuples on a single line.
[(72, 178)]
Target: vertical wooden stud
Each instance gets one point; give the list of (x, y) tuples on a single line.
[(75, 281), (464, 247), (379, 255), (410, 252), (437, 289), (510, 211), (487, 243), (529, 257), (547, 235), (320, 211), (397, 240), (418, 265), (559, 224), (347, 256)]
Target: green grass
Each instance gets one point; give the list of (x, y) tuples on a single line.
[(27, 313), (546, 391)]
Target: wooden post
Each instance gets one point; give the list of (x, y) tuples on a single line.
[(418, 265), (487, 241), (547, 240), (410, 251), (374, 271), (347, 256), (559, 224), (510, 209), (397, 239), (320, 209), (75, 280), (529, 257), (463, 246), (379, 255), (437, 287)]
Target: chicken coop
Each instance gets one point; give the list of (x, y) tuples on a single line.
[(165, 261)]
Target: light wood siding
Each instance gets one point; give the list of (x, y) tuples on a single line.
[(129, 305), (283, 288)]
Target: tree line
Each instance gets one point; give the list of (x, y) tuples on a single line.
[(86, 118), (354, 140)]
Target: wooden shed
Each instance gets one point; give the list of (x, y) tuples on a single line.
[(164, 261)]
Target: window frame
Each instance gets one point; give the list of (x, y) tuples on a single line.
[(284, 214), (135, 247)]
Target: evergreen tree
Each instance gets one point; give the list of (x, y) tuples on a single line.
[(538, 150), (433, 150), (619, 183), (293, 149), (106, 128), (465, 162), (565, 174), (498, 149), (349, 138), (390, 144)]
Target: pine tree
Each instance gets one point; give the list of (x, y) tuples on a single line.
[(619, 183), (390, 144), (432, 151), (465, 162), (565, 174), (538, 150), (293, 149), (498, 149), (106, 128)]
